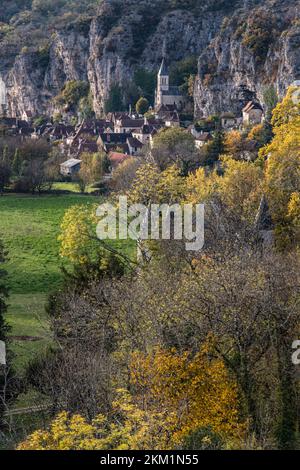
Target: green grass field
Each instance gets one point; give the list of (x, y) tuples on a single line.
[(29, 226), (73, 187)]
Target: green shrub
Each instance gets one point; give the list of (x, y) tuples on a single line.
[(259, 34), (142, 106), (73, 92)]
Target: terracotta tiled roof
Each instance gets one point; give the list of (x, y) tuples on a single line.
[(252, 105), (116, 158)]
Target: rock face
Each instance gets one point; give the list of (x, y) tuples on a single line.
[(240, 63), (130, 34)]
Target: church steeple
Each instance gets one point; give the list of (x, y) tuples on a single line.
[(163, 74), (166, 95), (163, 71)]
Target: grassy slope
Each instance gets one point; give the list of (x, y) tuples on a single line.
[(30, 226)]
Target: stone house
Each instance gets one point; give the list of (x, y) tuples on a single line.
[(70, 167), (252, 113), (202, 139), (112, 141), (127, 125), (134, 145)]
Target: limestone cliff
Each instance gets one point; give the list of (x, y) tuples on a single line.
[(123, 35), (249, 55)]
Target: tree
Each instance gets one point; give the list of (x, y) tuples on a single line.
[(258, 134), (260, 32), (3, 293), (142, 106), (72, 93), (239, 188), (86, 107), (5, 174), (287, 109), (201, 186), (91, 169), (78, 233), (175, 145), (125, 174), (282, 170), (233, 143), (5, 167), (17, 164), (293, 218), (57, 118), (152, 186), (271, 100), (215, 148), (179, 383), (114, 102), (129, 428), (181, 71), (35, 165)]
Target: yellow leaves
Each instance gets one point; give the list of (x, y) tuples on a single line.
[(174, 395), (239, 188), (291, 230), (153, 186), (282, 173), (77, 232), (255, 132), (294, 207), (143, 188), (130, 428), (197, 389), (200, 186), (233, 142), (170, 186), (288, 109)]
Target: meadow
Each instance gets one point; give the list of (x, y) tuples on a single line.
[(29, 227)]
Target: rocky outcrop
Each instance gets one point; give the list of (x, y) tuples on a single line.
[(130, 34), (115, 55), (240, 64)]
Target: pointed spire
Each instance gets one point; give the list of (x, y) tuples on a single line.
[(164, 68)]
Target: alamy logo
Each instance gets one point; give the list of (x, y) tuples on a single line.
[(2, 353), (296, 353), (153, 222)]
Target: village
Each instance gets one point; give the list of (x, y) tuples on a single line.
[(149, 230), (121, 135)]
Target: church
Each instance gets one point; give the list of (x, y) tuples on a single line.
[(165, 94)]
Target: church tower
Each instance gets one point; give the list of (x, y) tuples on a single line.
[(162, 83), (163, 77), (167, 95)]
